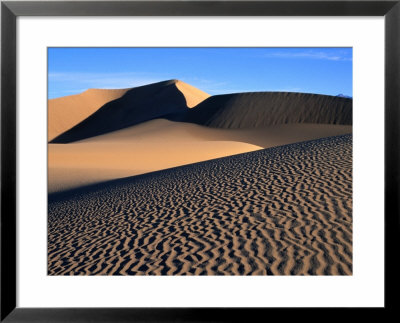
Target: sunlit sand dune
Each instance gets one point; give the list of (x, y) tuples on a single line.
[(161, 144), (68, 111), (137, 105), (280, 211)]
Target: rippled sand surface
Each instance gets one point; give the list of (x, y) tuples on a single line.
[(279, 211)]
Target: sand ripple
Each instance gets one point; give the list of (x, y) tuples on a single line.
[(278, 211)]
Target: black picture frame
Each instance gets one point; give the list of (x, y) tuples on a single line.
[(10, 10)]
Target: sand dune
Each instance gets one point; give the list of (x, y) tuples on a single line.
[(161, 144), (68, 111), (178, 101), (260, 109), (137, 105), (75, 165), (280, 211)]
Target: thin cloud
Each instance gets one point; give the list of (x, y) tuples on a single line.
[(222, 91), (245, 90), (208, 85), (311, 54), (286, 89), (103, 80), (66, 91)]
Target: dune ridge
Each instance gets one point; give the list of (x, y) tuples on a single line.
[(279, 211), (193, 96), (261, 109), (137, 105)]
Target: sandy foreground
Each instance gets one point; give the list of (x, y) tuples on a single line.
[(161, 144), (279, 211)]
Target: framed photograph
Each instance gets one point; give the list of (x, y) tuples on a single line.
[(197, 160)]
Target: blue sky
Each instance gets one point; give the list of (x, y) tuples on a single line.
[(213, 70)]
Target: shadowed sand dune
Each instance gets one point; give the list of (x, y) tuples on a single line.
[(161, 144), (279, 211), (68, 111), (137, 105), (260, 109)]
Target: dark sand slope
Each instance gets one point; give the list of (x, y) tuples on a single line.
[(261, 109), (137, 105), (280, 211)]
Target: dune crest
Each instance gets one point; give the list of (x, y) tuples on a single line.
[(137, 105), (192, 95)]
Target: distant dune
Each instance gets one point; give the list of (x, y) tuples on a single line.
[(68, 111), (261, 109), (279, 211), (137, 105), (161, 144), (178, 101)]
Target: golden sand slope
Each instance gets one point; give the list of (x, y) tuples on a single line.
[(68, 111), (260, 109), (279, 211), (161, 144), (192, 95), (137, 105)]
